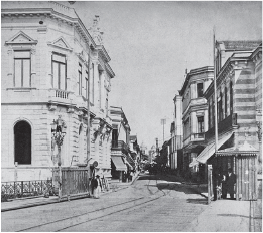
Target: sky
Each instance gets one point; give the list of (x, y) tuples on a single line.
[(152, 43)]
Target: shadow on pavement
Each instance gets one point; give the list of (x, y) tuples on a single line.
[(187, 189), (201, 201)]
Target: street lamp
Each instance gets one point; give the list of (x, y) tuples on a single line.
[(58, 130)]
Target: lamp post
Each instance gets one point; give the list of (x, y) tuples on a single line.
[(58, 130)]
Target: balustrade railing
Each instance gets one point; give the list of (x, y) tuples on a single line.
[(197, 136), (19, 189), (119, 144), (62, 94)]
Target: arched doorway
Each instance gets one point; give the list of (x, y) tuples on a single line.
[(22, 132)]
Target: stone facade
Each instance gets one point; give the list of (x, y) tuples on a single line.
[(50, 61), (191, 114)]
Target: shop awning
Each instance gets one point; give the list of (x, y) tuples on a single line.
[(244, 150), (210, 150), (119, 164), (194, 163)]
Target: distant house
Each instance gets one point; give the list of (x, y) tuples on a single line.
[(121, 160)]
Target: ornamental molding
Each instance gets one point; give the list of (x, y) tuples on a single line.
[(21, 38), (60, 43)]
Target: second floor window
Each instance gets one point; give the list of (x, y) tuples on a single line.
[(201, 128), (80, 79), (231, 97), (200, 90), (22, 69), (59, 71), (87, 85)]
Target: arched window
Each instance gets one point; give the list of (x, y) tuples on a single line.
[(22, 132), (225, 101)]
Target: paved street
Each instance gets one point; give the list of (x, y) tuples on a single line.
[(148, 205)]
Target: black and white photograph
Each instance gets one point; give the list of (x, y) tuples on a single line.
[(131, 116)]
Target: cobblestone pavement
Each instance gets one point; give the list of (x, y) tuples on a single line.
[(147, 205)]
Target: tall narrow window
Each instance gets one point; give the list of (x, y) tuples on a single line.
[(92, 84), (22, 133), (100, 90), (231, 98), (220, 108), (200, 124), (106, 105), (200, 90), (225, 102), (80, 79), (22, 69), (59, 71), (213, 111), (87, 85)]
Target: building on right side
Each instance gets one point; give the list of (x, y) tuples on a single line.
[(238, 69)]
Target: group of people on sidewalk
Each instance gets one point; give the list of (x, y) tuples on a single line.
[(224, 184)]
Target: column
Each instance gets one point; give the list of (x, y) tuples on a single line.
[(193, 122), (206, 120)]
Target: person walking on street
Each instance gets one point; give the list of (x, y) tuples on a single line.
[(231, 180)]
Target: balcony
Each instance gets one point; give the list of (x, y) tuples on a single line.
[(193, 140), (59, 96), (119, 145), (198, 136), (228, 123)]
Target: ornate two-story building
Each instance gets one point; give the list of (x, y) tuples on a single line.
[(191, 118), (49, 62)]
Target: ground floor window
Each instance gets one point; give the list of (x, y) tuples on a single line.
[(22, 138)]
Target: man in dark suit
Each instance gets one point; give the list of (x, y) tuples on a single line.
[(231, 180)]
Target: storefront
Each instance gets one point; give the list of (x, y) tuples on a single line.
[(243, 161)]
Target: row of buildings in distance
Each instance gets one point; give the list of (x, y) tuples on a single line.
[(53, 67)]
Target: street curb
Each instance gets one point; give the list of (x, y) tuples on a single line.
[(54, 201), (29, 205)]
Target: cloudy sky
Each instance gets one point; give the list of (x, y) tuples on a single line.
[(152, 43)]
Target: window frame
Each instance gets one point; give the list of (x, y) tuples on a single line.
[(22, 69), (198, 90), (59, 70)]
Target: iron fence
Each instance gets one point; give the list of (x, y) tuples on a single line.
[(19, 189)]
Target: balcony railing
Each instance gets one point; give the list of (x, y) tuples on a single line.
[(62, 94), (197, 136), (19, 189), (119, 144)]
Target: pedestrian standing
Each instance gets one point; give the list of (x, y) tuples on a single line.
[(224, 185), (98, 185), (131, 175), (231, 180)]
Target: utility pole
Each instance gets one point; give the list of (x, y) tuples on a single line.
[(157, 150), (215, 90), (163, 122)]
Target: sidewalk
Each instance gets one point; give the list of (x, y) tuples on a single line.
[(21, 203), (223, 216)]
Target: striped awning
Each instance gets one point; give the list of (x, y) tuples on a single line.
[(119, 164), (209, 151)]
